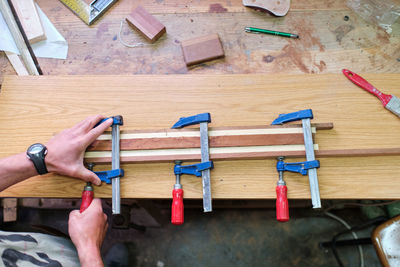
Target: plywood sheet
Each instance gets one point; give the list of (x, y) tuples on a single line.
[(32, 109)]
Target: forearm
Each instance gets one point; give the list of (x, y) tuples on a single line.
[(90, 257), (15, 169)]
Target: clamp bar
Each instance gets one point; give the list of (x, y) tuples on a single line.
[(205, 157), (115, 164), (310, 156)]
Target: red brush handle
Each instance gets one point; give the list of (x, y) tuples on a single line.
[(282, 206), (87, 197), (177, 207), (358, 80)]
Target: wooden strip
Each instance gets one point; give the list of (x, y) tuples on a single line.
[(19, 40), (191, 142), (359, 152), (29, 17), (17, 63), (160, 155)]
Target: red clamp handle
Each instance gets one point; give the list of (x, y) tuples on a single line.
[(87, 197), (358, 80), (177, 207), (282, 206)]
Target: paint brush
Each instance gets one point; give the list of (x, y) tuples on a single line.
[(390, 102)]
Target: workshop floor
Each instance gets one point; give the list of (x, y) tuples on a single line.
[(229, 237)]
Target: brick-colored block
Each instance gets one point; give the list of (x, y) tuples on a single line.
[(202, 49), (146, 24)]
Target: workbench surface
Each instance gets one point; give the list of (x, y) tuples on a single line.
[(157, 101), (327, 44)]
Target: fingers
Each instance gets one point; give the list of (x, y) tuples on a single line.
[(88, 123), (95, 206), (96, 132), (88, 176)]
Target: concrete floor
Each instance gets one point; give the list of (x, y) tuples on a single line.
[(228, 237)]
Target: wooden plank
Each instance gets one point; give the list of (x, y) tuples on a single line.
[(201, 49), (146, 24), (155, 102), (172, 139), (29, 18), (19, 40), (17, 64)]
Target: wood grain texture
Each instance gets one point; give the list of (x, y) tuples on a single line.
[(154, 102), (327, 43), (202, 49), (29, 18), (146, 24)]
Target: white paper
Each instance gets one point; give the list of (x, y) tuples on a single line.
[(55, 46)]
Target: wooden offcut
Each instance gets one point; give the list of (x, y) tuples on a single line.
[(30, 20), (276, 7), (146, 24), (157, 101), (201, 49)]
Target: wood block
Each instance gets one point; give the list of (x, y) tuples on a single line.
[(142, 21), (276, 7), (29, 18), (202, 49), (9, 209)]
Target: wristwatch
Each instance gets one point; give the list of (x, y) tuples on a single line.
[(36, 153)]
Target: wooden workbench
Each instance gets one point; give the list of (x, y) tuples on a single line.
[(32, 109), (327, 42)]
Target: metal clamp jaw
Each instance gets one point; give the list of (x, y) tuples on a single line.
[(193, 169), (299, 167)]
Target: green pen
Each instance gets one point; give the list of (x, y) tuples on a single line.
[(284, 34)]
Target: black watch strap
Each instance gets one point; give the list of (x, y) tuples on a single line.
[(39, 164)]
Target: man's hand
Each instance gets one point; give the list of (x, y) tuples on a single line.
[(66, 150), (87, 231)]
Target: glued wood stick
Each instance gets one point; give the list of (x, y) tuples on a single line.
[(190, 138)]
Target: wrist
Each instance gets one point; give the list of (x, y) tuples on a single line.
[(89, 255), (50, 160)]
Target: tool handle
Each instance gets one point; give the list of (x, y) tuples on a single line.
[(87, 197), (282, 206), (177, 207), (358, 80)]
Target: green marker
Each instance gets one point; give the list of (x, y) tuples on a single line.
[(284, 34)]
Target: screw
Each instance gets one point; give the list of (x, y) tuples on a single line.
[(346, 18)]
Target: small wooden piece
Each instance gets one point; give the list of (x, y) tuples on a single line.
[(202, 49), (17, 63), (276, 7), (146, 24), (29, 17)]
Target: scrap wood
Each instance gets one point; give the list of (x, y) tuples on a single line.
[(276, 7)]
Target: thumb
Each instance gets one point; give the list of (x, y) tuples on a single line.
[(89, 176)]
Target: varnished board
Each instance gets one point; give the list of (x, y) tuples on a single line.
[(155, 102), (327, 42)]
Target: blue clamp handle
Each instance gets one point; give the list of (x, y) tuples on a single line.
[(194, 169), (294, 116), (117, 120), (196, 119), (106, 176), (299, 167)]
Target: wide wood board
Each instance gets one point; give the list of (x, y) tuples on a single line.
[(32, 109)]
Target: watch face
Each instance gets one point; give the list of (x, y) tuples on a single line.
[(36, 148)]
